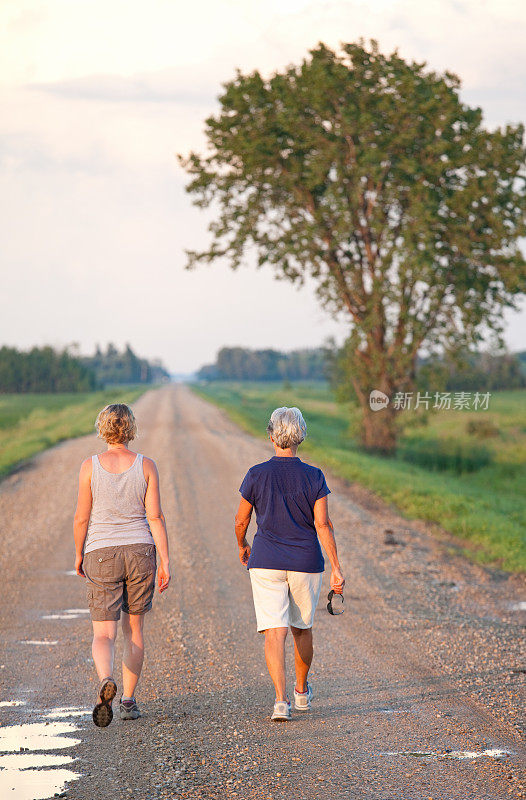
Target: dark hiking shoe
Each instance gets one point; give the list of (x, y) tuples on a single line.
[(102, 713), (129, 709)]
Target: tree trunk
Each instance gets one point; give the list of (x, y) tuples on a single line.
[(370, 375), (379, 430)]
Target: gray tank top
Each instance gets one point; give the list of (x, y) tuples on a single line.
[(118, 515)]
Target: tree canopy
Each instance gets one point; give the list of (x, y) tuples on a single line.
[(369, 174)]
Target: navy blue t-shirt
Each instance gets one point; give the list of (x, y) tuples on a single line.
[(283, 491)]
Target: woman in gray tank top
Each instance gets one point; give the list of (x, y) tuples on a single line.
[(119, 529)]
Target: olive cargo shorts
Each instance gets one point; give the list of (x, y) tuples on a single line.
[(120, 578)]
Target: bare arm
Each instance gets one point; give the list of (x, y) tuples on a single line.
[(242, 521), (156, 521), (325, 531), (82, 513)]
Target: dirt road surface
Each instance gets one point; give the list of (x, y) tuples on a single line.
[(418, 686)]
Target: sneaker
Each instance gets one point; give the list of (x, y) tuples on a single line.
[(102, 713), (129, 709), (281, 711), (302, 699)]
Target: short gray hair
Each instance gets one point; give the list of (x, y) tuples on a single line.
[(287, 427)]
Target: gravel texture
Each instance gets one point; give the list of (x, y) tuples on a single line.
[(424, 665)]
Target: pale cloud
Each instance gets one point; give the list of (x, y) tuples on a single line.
[(99, 95), (60, 39), (169, 86), (113, 134), (73, 39)]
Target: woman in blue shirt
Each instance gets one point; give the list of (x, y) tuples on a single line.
[(285, 561)]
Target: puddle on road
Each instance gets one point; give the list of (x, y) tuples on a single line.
[(32, 761), (496, 753), (37, 642), (458, 754), (520, 606), (393, 710), (23, 755), (12, 703), (68, 613), (65, 713), (34, 784), (37, 736), (416, 753)]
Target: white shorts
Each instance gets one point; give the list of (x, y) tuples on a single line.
[(283, 597)]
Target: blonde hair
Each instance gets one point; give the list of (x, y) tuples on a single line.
[(116, 424), (287, 427)]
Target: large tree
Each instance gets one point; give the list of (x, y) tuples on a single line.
[(370, 174)]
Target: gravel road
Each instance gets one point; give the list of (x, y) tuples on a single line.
[(418, 686)]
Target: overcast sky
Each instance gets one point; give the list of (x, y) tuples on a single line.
[(98, 95)]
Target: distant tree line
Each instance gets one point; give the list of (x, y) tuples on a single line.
[(113, 367), (476, 372), (466, 372), (44, 369), (242, 364)]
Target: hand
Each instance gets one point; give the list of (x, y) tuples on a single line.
[(244, 553), (78, 565), (337, 581), (163, 576)]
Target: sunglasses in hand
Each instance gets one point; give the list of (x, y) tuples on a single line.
[(335, 603)]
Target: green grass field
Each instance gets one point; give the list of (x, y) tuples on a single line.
[(485, 508), (30, 423)]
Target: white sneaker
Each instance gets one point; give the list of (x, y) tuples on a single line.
[(302, 699), (281, 711)]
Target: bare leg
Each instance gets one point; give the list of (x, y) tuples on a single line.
[(303, 652), (103, 647), (275, 656), (133, 651)]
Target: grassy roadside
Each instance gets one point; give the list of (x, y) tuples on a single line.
[(30, 423), (485, 509)]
